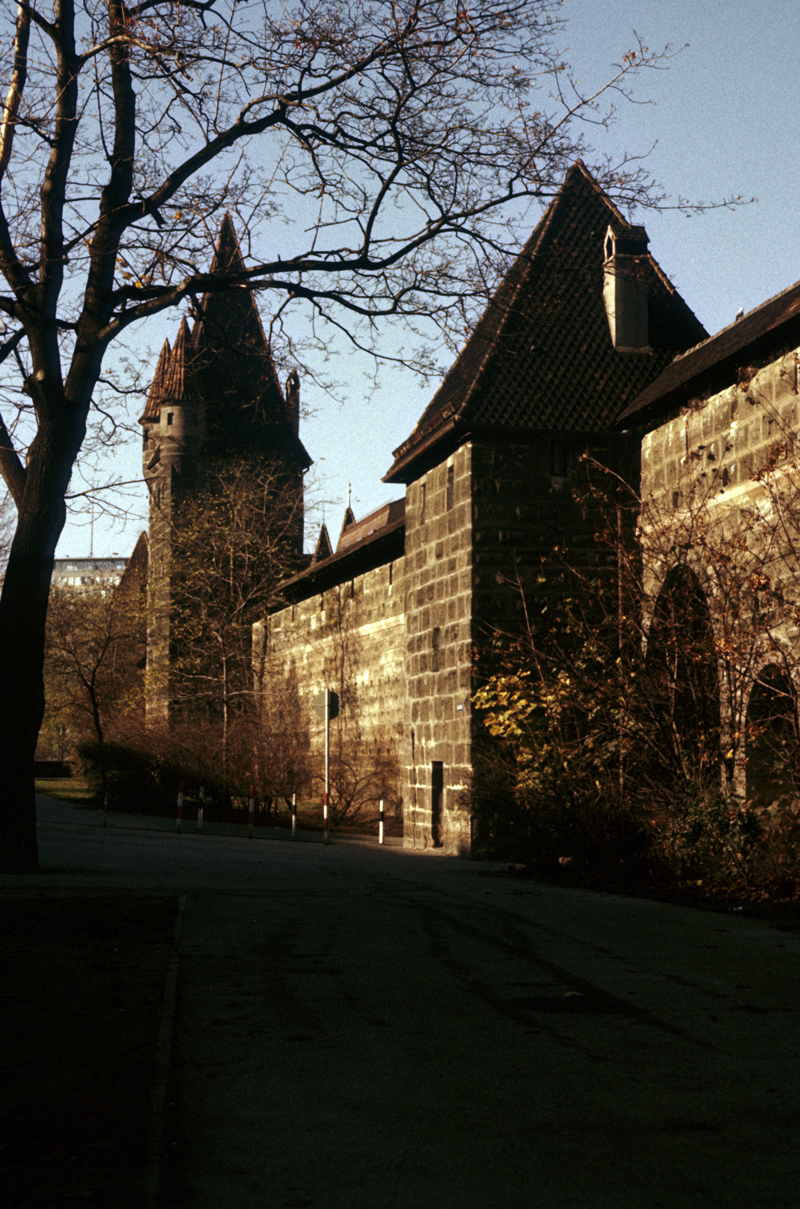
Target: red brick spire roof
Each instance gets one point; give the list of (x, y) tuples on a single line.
[(156, 393), (178, 385)]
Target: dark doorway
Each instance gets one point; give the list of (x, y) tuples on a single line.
[(437, 797)]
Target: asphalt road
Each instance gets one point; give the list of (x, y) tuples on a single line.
[(359, 1027)]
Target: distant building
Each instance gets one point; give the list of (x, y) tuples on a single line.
[(87, 574)]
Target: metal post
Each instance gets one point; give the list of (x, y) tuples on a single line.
[(380, 824), (294, 816), (179, 822), (326, 796), (200, 809)]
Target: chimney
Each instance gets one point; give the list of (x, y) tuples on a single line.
[(626, 288)]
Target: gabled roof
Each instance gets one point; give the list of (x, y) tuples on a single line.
[(348, 520), (358, 533), (541, 357), (714, 364)]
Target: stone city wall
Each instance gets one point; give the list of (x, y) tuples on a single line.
[(438, 656), (348, 639), (725, 455), (720, 492)]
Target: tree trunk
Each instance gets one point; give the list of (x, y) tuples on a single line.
[(23, 612), (101, 742), (23, 609)]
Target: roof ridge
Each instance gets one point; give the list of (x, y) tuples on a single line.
[(704, 359)]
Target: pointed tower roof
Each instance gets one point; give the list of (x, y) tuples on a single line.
[(246, 410), (541, 357), (347, 523), (156, 394), (323, 548), (227, 253), (178, 383), (232, 315)]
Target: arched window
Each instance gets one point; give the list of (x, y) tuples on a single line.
[(682, 681), (773, 771)]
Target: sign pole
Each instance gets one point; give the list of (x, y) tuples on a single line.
[(326, 797)]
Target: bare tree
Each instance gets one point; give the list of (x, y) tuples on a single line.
[(233, 542), (93, 665), (367, 145)]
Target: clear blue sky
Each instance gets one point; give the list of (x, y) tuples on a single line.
[(726, 120)]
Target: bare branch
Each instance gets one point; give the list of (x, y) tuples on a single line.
[(15, 89)]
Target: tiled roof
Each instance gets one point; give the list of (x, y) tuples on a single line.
[(541, 356), (155, 395), (225, 363), (714, 364), (356, 533), (177, 384), (229, 320), (372, 542)]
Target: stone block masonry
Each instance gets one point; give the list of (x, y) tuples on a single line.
[(438, 656), (720, 492), (350, 639), (718, 448)]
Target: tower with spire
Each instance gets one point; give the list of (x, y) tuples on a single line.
[(215, 398)]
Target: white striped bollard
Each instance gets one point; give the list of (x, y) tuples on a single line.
[(294, 816)]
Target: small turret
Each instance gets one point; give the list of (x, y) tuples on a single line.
[(293, 401), (626, 291)]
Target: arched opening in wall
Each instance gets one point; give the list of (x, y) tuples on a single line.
[(772, 747), (682, 691)]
